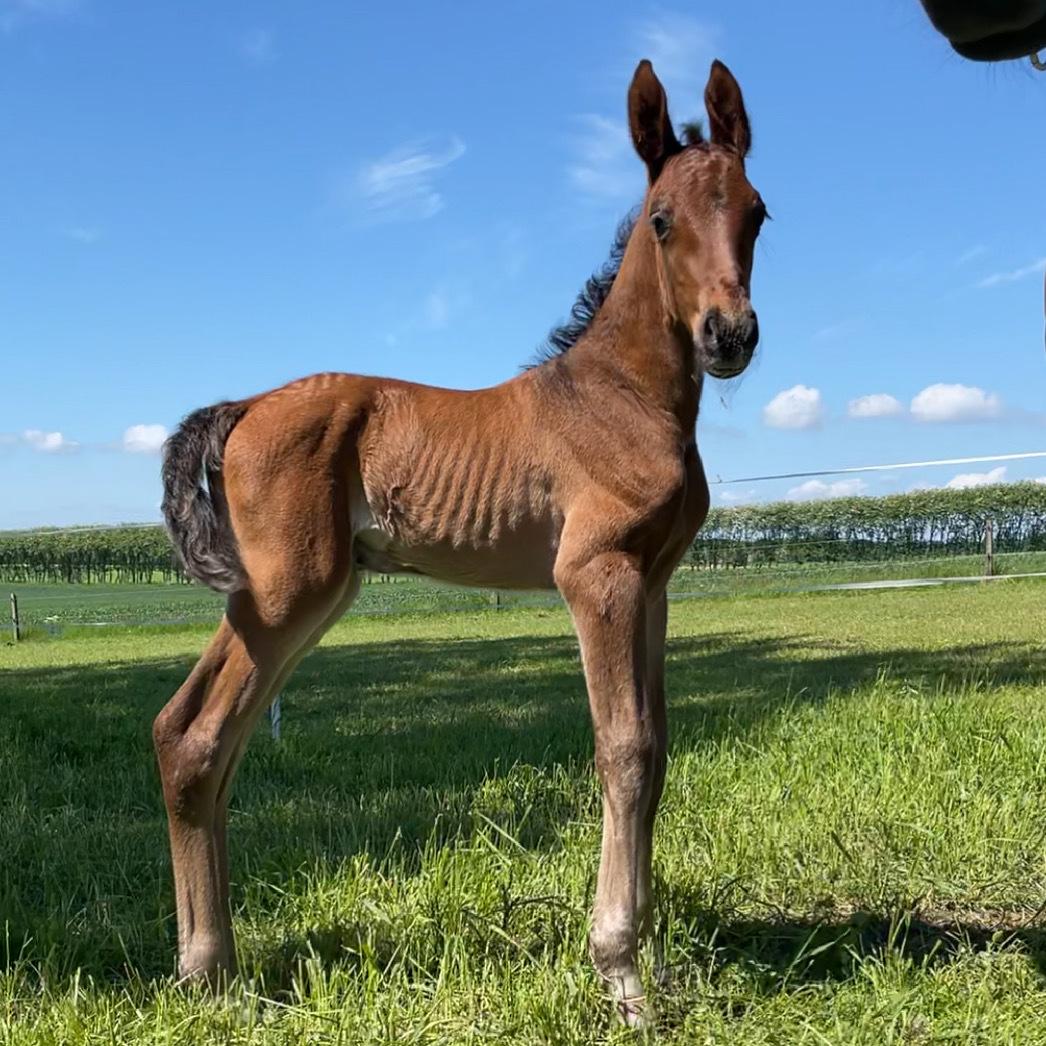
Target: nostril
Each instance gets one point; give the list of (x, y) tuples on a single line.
[(751, 331), (710, 328)]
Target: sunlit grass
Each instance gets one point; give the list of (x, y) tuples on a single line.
[(852, 847)]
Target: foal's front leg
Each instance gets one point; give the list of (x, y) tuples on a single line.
[(607, 598)]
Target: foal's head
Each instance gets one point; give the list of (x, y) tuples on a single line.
[(703, 215)]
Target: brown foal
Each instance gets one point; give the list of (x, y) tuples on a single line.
[(581, 473)]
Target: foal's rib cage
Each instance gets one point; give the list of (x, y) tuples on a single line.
[(582, 473)]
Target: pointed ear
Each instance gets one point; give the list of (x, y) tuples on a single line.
[(652, 133), (727, 118)]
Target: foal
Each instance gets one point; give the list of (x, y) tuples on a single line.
[(581, 473)]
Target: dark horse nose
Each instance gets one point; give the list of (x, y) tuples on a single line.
[(728, 341)]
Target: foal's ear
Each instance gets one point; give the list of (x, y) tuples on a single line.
[(726, 111), (652, 133)]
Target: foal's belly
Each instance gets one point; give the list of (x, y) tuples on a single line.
[(519, 556)]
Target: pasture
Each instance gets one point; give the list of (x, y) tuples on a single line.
[(851, 848)]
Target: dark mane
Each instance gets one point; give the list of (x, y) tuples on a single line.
[(590, 298)]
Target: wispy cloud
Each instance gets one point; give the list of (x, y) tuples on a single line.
[(1013, 275), (15, 13), (604, 166), (401, 185), (443, 304), (85, 234), (681, 49), (837, 331), (971, 254), (48, 442), (258, 46)]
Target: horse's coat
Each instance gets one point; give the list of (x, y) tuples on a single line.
[(580, 473)]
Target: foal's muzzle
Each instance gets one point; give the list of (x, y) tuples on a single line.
[(726, 343)]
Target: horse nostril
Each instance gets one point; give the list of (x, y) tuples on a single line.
[(710, 328), (751, 335)]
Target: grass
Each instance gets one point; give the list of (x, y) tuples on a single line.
[(852, 847)]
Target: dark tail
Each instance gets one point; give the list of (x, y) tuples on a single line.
[(194, 506)]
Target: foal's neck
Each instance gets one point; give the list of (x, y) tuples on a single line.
[(635, 337)]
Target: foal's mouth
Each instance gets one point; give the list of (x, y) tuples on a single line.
[(723, 371)]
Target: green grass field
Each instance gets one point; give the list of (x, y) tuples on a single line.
[(55, 609), (852, 847)]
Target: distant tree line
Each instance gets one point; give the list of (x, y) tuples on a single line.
[(136, 555), (921, 524)]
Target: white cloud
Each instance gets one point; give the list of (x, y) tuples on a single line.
[(47, 442), (799, 407), (815, 489), (730, 497), (1013, 275), (399, 186), (605, 166), (945, 403), (258, 46), (143, 439), (875, 405), (966, 480)]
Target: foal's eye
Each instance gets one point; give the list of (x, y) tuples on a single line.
[(661, 222)]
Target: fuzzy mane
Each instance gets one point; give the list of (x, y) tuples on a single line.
[(590, 298)]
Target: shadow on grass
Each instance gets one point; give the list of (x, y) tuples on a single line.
[(784, 953), (385, 744)]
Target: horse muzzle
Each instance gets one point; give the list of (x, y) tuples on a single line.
[(725, 343)]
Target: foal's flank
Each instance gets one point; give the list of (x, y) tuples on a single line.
[(580, 473)]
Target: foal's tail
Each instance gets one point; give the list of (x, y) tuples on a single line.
[(194, 507)]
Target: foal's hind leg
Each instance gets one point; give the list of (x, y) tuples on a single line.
[(607, 597), (200, 736)]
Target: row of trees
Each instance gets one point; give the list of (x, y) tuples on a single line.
[(920, 524), (135, 555), (923, 523)]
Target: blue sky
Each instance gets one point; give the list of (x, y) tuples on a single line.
[(204, 201)]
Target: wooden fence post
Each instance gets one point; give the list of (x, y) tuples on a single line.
[(15, 624), (989, 547)]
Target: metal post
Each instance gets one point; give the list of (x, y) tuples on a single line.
[(15, 625), (275, 716)]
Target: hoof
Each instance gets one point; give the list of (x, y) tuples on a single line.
[(631, 1005), (636, 1013), (207, 965)]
